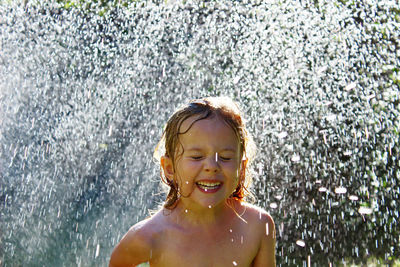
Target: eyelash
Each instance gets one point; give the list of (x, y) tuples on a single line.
[(222, 158)]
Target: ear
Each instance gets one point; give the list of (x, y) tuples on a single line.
[(167, 166)]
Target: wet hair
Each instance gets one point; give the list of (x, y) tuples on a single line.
[(223, 108)]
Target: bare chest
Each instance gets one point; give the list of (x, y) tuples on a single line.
[(213, 249)]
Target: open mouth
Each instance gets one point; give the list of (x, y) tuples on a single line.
[(208, 187)]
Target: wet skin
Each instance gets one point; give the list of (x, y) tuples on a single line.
[(206, 228)]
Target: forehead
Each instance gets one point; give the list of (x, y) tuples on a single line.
[(212, 131)]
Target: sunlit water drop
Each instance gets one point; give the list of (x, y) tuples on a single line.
[(365, 210), (300, 243), (341, 190)]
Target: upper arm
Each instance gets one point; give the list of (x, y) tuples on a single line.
[(266, 254), (133, 249)]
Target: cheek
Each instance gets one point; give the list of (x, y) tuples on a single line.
[(186, 174), (233, 170)]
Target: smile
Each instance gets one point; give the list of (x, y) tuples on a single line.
[(208, 187)]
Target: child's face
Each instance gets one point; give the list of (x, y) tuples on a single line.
[(208, 170)]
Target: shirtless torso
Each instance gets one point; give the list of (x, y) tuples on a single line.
[(166, 239)]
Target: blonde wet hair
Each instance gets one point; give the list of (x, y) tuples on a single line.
[(223, 108)]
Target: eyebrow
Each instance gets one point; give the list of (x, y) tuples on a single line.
[(223, 150)]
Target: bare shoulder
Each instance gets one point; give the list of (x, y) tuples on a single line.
[(263, 226), (256, 215), (137, 244)]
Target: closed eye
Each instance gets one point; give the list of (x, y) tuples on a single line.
[(196, 157), (225, 158)]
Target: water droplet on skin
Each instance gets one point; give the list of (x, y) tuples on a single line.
[(186, 211), (187, 182), (209, 206), (241, 239), (216, 157), (230, 230), (232, 240), (266, 229), (234, 263)]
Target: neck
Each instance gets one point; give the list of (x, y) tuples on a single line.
[(203, 216)]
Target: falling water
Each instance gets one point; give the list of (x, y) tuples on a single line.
[(84, 95)]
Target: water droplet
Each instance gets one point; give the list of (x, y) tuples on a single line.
[(186, 211), (295, 158), (300, 243), (97, 250), (350, 86), (234, 263), (331, 117), (230, 230), (341, 190), (354, 198), (347, 153), (209, 206), (282, 135), (273, 205), (187, 182), (322, 189), (365, 210)]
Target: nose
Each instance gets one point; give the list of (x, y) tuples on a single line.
[(211, 164)]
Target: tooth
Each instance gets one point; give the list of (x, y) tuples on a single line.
[(208, 184)]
